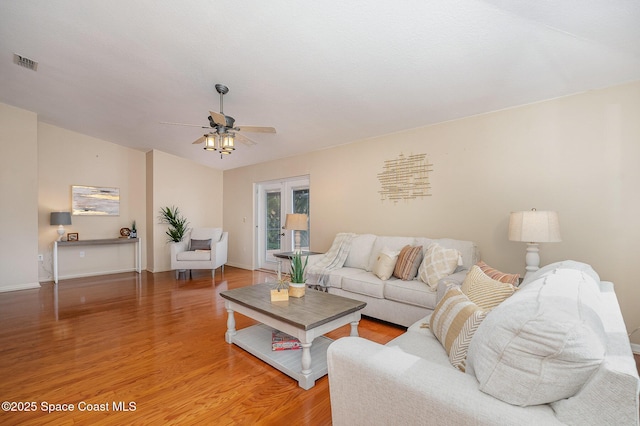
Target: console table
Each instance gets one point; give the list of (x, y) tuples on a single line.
[(107, 241)]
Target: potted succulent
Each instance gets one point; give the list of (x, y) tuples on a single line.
[(297, 283), (177, 223)]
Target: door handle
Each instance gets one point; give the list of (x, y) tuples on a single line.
[(282, 235)]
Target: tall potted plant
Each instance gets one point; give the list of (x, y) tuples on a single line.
[(297, 284), (177, 223)]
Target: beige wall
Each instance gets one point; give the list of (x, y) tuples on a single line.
[(195, 189), (577, 155), (67, 158), (19, 195)]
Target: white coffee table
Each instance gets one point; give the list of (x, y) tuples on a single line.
[(306, 318)]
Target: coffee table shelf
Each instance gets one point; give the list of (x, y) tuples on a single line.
[(257, 341)]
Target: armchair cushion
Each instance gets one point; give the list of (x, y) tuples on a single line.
[(194, 255)]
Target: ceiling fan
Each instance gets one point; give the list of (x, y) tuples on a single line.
[(223, 134)]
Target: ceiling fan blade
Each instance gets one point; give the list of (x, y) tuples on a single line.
[(256, 129), (201, 139), (184, 124), (218, 118), (245, 140)]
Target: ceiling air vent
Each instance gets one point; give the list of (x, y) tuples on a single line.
[(25, 62)]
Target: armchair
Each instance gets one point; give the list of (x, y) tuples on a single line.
[(201, 248)]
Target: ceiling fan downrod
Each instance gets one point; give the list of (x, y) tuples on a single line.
[(223, 90)]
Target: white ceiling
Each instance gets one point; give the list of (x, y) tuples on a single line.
[(323, 73)]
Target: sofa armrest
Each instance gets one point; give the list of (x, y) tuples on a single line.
[(374, 384), (219, 250), (454, 279)]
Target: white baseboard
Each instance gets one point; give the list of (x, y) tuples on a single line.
[(635, 348), (15, 287), (238, 265), (92, 274)]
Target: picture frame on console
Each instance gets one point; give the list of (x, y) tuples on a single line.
[(72, 236)]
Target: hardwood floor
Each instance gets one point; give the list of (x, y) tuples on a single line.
[(151, 344)]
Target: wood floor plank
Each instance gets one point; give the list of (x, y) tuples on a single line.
[(153, 341)]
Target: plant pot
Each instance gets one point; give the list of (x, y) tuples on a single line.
[(279, 295), (296, 289)]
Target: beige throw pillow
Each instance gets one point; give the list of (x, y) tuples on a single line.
[(385, 264), (454, 321), (484, 291), (438, 263)]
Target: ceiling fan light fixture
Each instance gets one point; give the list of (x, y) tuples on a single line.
[(210, 142), (227, 142)]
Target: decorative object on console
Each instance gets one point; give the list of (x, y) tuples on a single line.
[(95, 201), (405, 178), (534, 227), (296, 222), (134, 230), (72, 236), (125, 232), (60, 219), (177, 223)]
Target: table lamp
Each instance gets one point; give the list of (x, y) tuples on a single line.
[(534, 227), (296, 222), (60, 219)]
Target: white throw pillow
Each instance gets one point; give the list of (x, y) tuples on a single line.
[(385, 264), (360, 251), (438, 263), (541, 344)]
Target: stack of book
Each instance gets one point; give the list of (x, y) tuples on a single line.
[(282, 341)]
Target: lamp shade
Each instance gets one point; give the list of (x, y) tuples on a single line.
[(296, 222), (534, 226), (60, 218)]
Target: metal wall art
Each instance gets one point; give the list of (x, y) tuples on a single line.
[(405, 178), (95, 201)]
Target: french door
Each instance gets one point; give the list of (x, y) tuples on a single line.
[(274, 200)]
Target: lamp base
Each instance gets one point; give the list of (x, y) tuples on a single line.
[(532, 259), (60, 232)]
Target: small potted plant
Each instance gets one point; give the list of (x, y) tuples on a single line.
[(297, 284)]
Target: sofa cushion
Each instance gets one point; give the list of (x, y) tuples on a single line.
[(543, 343), (360, 251), (408, 262), (200, 244), (412, 292), (391, 243), (454, 322), (385, 264), (438, 262), (363, 282), (194, 255), (484, 291), (497, 275)]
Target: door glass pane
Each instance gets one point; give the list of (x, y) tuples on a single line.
[(301, 205), (273, 221)]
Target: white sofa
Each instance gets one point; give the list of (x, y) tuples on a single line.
[(211, 253), (579, 371), (393, 300)]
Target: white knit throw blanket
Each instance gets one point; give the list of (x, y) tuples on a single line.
[(318, 273)]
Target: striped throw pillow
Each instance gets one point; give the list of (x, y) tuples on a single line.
[(485, 291), (454, 321), (408, 262), (497, 275)]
